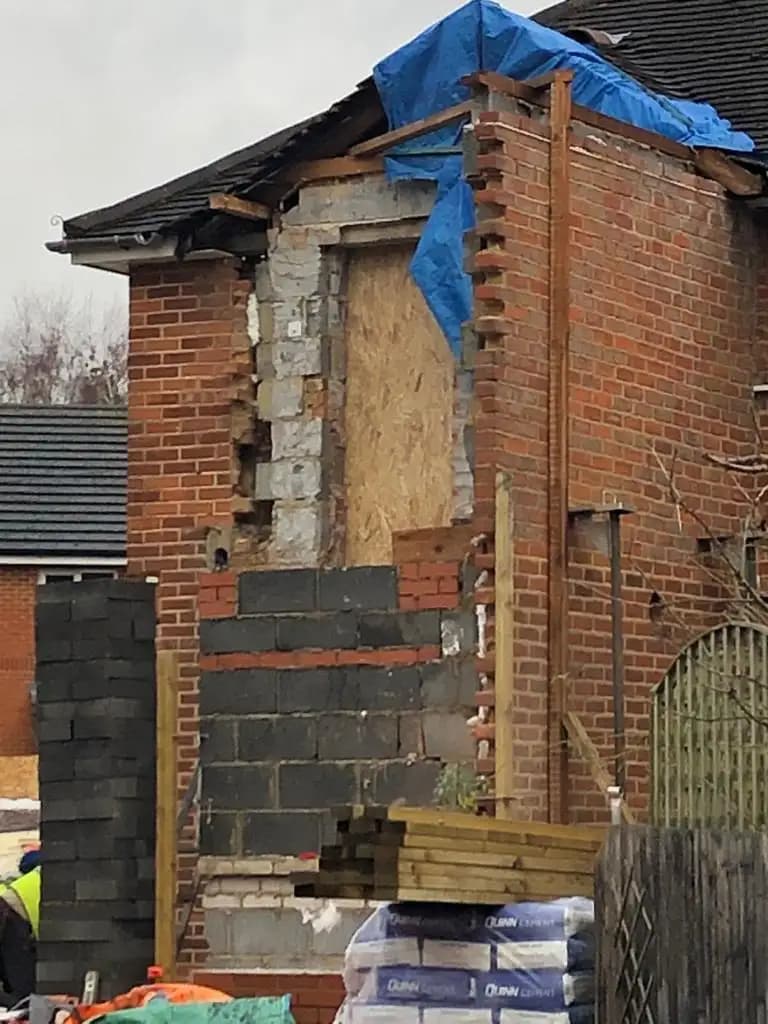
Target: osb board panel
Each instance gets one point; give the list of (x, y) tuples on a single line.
[(399, 407), (18, 777)]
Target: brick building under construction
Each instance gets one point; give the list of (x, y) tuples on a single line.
[(380, 491)]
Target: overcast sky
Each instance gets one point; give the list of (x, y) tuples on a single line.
[(105, 98)]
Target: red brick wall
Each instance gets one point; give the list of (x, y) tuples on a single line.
[(316, 997), (663, 318), (18, 588), (188, 352)]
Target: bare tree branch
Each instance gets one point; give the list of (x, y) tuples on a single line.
[(53, 351)]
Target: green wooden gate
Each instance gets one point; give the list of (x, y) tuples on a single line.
[(710, 733)]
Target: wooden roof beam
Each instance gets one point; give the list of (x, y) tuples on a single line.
[(412, 131), (224, 202)]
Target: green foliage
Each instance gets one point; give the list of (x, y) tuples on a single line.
[(459, 788)]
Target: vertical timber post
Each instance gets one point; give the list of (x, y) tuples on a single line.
[(558, 463), (504, 601), (165, 815)]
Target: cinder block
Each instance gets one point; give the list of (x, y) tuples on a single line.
[(366, 588), (297, 438), (289, 590), (269, 933), (240, 692), (239, 787), (315, 690), (54, 681), (64, 850), (218, 932), (280, 399), (275, 739), (50, 647), (354, 737), (414, 783), (450, 683), (286, 832), (115, 708), (103, 889), (458, 633), (385, 689), (302, 358), (335, 942), (74, 931), (395, 629), (325, 632), (52, 614), (289, 480), (220, 834), (91, 607), (410, 735), (447, 736), (143, 619), (58, 731), (314, 784), (224, 636), (297, 531), (100, 645), (56, 711), (217, 741)]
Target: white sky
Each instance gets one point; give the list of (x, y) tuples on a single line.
[(105, 98)]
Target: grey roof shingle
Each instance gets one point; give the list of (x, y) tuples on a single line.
[(708, 50), (63, 476)]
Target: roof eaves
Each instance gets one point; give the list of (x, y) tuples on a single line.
[(257, 161)]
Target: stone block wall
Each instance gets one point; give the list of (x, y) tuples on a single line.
[(319, 688), (321, 691), (96, 725)]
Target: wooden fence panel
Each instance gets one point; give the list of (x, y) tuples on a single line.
[(683, 918)]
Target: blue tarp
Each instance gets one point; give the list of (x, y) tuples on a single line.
[(425, 77)]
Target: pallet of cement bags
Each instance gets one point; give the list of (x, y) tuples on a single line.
[(520, 963), (403, 854)]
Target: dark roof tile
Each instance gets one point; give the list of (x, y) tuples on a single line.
[(62, 481), (714, 51)]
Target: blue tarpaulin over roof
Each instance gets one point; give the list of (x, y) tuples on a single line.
[(425, 77)]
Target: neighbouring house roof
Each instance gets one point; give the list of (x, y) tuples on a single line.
[(63, 476), (181, 200), (707, 50)]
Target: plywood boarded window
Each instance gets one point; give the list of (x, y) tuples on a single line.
[(399, 407)]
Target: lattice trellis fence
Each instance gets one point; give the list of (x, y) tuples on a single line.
[(710, 733), (683, 916)]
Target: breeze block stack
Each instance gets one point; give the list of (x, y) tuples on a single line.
[(96, 728), (319, 688)]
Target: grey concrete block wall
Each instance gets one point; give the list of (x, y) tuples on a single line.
[(281, 746), (96, 733)]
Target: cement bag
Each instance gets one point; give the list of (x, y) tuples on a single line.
[(525, 963)]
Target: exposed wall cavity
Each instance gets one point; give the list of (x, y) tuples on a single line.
[(297, 330)]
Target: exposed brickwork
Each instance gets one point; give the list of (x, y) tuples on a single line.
[(218, 595), (189, 369), (663, 318), (429, 566), (316, 997), (18, 589), (319, 659)]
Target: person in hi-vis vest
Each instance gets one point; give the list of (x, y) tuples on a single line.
[(19, 927)]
